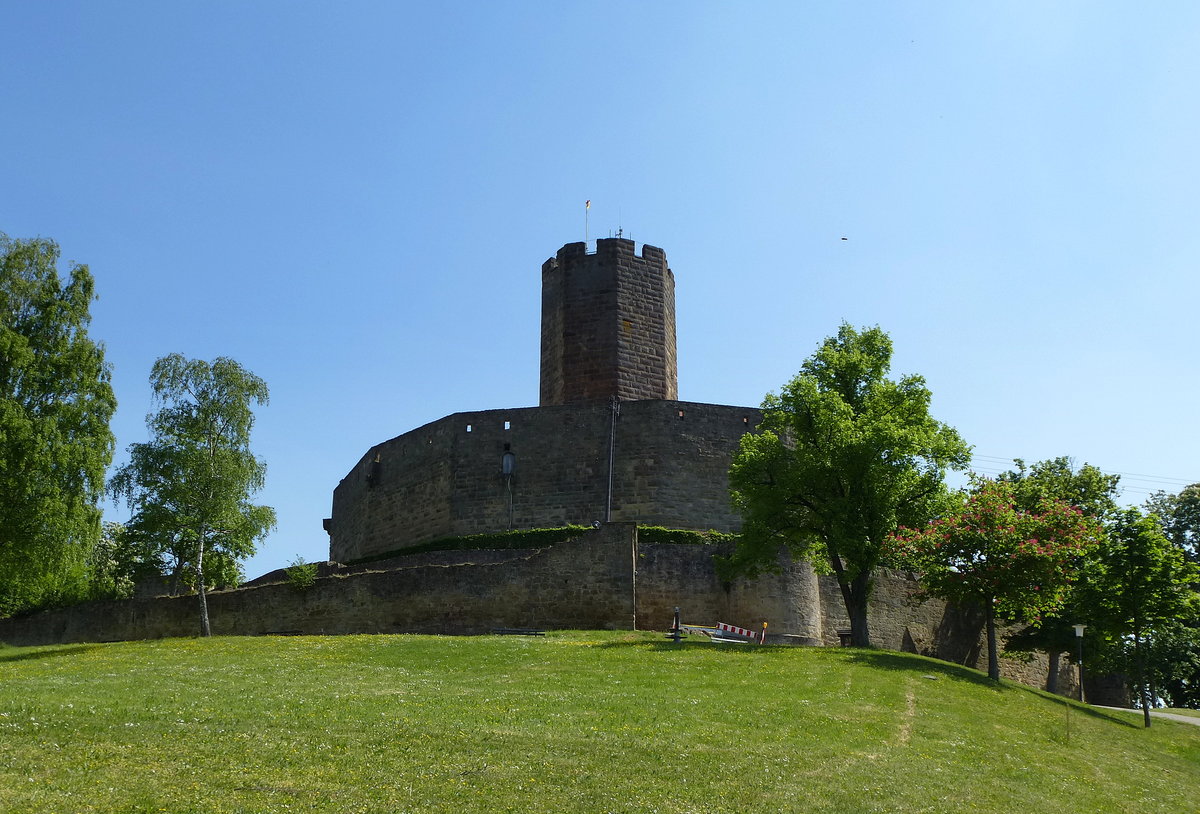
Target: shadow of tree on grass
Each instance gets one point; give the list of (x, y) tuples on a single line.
[(11, 654), (903, 662)]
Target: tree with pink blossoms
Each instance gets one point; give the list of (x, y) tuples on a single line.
[(1015, 564)]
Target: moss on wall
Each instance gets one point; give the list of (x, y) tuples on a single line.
[(521, 538)]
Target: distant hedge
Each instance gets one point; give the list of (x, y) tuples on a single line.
[(542, 538), (660, 534), (521, 538)]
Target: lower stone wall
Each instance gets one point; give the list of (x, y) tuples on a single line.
[(586, 584), (602, 580), (685, 576)]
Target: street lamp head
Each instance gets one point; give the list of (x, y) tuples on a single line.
[(1079, 630)]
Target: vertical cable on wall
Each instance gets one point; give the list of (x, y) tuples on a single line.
[(612, 446)]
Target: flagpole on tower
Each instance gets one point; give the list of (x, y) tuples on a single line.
[(587, 207)]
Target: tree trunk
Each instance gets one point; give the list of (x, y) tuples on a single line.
[(855, 595), (1140, 656), (993, 654), (1052, 673), (205, 630)]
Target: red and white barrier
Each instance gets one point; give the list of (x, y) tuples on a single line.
[(722, 631), (737, 631)]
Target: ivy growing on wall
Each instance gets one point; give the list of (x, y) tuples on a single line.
[(542, 538), (661, 534), (522, 538)]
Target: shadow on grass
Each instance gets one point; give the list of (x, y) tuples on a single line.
[(878, 659), (891, 660), (694, 643), (27, 654), (1103, 714), (909, 663)]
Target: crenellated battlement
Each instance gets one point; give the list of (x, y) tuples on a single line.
[(607, 249)]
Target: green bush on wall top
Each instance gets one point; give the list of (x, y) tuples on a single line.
[(661, 534), (520, 538), (541, 538)]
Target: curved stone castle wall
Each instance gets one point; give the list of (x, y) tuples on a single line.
[(670, 463)]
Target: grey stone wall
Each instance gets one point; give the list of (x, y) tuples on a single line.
[(585, 584), (671, 461), (608, 324), (685, 576)]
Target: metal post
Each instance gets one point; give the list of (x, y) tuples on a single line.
[(1079, 661)]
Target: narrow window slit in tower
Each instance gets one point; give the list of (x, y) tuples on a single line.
[(681, 413), (468, 428), (508, 425)]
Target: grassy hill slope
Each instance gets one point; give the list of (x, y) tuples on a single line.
[(582, 721)]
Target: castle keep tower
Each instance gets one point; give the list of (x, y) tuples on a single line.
[(608, 324), (608, 330)]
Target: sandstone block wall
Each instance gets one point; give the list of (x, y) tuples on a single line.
[(585, 584), (685, 576), (670, 465)]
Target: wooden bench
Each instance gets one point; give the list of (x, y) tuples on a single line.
[(517, 631)]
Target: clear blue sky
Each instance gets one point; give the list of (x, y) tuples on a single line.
[(354, 200)]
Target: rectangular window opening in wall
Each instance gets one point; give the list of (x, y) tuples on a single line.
[(508, 425), (681, 413), (746, 420), (468, 428)]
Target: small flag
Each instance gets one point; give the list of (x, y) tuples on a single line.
[(587, 204)]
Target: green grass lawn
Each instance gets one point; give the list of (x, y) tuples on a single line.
[(577, 721)]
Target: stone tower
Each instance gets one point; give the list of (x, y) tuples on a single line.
[(608, 324)]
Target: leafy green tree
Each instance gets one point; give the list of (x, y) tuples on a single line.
[(1087, 488), (1173, 661), (1138, 582), (56, 402), (113, 565), (1012, 563), (190, 486), (1180, 518), (845, 456), (1095, 494), (1174, 657)]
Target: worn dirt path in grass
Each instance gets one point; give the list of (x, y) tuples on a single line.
[(1187, 719)]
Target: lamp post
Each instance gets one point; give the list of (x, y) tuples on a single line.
[(508, 465), (1079, 638)]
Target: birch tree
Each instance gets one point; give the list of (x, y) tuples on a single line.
[(190, 486)]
